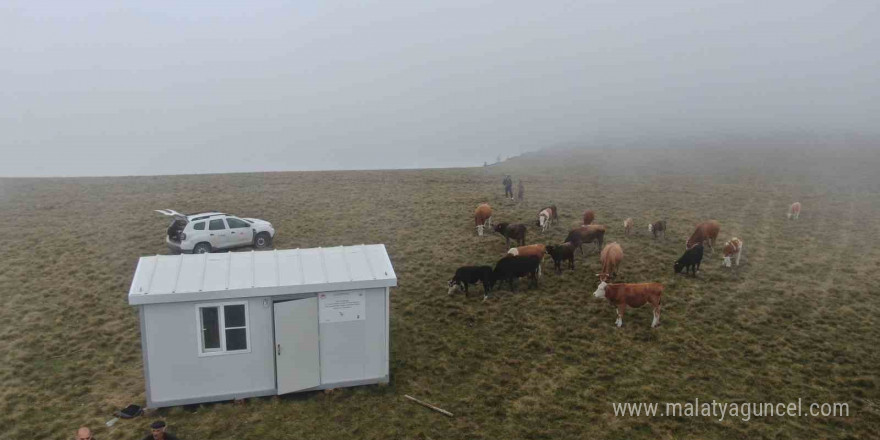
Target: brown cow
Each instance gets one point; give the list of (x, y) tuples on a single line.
[(610, 258), (483, 216), (589, 216), (532, 249), (587, 234), (633, 295), (706, 232), (794, 211), (731, 248), (627, 226)]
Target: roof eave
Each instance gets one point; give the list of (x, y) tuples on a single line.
[(136, 299)]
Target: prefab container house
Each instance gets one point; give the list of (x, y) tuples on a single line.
[(245, 324)]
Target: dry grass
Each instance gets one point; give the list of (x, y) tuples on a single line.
[(798, 320)]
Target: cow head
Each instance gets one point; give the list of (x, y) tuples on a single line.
[(500, 227), (678, 266), (452, 287), (480, 230), (650, 228), (726, 262), (600, 291)]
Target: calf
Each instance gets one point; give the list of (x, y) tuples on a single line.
[(706, 233), (552, 215), (627, 226), (560, 253), (633, 295), (794, 211), (658, 228), (545, 218), (690, 260), (589, 216), (516, 231), (587, 234), (467, 275), (510, 268), (731, 248), (610, 257), (482, 217)]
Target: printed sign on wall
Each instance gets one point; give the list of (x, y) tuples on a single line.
[(341, 306)]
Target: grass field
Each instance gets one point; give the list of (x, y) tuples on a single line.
[(799, 319)]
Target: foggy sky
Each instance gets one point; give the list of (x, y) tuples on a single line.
[(165, 87)]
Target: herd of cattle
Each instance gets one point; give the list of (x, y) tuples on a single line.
[(524, 261)]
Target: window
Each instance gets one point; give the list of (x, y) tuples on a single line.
[(235, 223), (216, 225), (222, 328), (200, 226)]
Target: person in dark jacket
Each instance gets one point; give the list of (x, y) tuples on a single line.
[(157, 432), (508, 187)]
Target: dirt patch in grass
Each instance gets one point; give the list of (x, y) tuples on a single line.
[(799, 319)]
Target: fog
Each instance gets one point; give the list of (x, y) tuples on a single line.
[(166, 87)]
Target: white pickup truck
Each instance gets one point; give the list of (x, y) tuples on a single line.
[(209, 231)]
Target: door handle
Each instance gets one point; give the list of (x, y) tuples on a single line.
[(279, 349)]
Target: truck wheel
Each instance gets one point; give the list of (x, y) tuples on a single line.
[(262, 240), (202, 248)]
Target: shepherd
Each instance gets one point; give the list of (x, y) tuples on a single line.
[(508, 187)]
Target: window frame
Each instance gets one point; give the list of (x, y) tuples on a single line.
[(246, 224), (222, 222), (221, 321), (204, 226)]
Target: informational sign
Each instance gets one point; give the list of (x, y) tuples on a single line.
[(341, 306)]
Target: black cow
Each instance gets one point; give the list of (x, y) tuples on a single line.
[(511, 267), (690, 260), (516, 231), (560, 253), (466, 275)]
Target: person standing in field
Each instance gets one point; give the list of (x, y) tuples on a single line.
[(520, 191), (508, 187)]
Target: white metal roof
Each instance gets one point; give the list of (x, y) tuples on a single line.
[(179, 278)]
